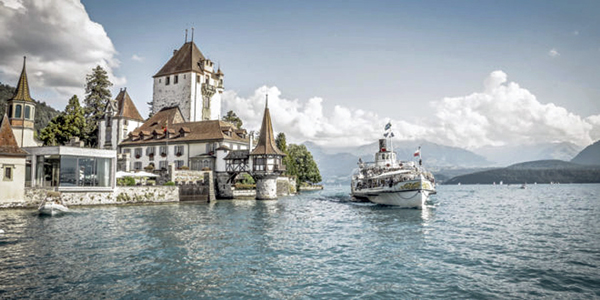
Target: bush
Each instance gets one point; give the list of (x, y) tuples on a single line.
[(247, 179), (126, 181), (169, 183), (241, 186)]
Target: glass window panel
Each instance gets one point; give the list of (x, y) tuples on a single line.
[(27, 112), (18, 109), (68, 167)]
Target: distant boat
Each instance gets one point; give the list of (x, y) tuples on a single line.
[(52, 207), (524, 186), (389, 182)]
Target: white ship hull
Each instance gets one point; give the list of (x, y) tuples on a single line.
[(407, 194)]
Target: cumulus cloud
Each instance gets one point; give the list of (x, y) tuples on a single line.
[(507, 113), (61, 43), (503, 113), (553, 53)]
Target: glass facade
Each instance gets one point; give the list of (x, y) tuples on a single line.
[(73, 171)]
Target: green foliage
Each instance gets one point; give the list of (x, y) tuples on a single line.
[(288, 162), (302, 165), (70, 123), (169, 183), (43, 112), (247, 179), (126, 181), (233, 118), (97, 95)]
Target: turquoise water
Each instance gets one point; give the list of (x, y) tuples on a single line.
[(484, 242)]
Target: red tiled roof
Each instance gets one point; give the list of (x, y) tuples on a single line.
[(187, 58), (266, 142), (192, 131), (8, 143), (126, 108)]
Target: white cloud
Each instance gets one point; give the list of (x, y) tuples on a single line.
[(504, 113), (553, 53), (137, 58), (61, 43)]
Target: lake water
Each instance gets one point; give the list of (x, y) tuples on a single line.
[(469, 242)]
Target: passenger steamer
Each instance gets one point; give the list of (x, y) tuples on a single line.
[(391, 182)]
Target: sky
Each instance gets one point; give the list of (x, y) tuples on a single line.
[(469, 74)]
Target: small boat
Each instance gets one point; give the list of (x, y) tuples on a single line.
[(524, 186), (390, 182), (52, 207)]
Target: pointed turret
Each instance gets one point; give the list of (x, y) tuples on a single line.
[(22, 92), (266, 141), (21, 112), (266, 160)]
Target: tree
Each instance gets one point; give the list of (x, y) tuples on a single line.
[(233, 118), (288, 162), (69, 123), (97, 96), (306, 168)]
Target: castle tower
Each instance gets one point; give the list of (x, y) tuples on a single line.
[(266, 160), (189, 80), (21, 112), (120, 118)]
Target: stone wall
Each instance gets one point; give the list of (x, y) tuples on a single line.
[(121, 195)]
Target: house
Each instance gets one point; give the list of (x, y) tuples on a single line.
[(12, 164), (167, 138), (120, 118)]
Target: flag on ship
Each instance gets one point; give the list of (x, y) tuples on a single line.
[(418, 152)]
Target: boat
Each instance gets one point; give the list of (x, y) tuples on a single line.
[(50, 206), (388, 181)]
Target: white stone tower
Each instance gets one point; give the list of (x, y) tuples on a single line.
[(120, 118), (189, 80)]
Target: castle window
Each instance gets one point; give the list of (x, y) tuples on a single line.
[(179, 150), (18, 109), (8, 173), (150, 151), (176, 79), (138, 152), (27, 112), (137, 165), (183, 76), (163, 164), (159, 80), (207, 80), (167, 81), (179, 164), (198, 78)]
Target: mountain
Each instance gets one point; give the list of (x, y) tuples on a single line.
[(338, 167), (589, 156), (542, 171), (43, 112), (506, 155)]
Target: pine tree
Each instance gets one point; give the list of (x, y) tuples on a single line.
[(97, 96), (233, 118), (69, 123)]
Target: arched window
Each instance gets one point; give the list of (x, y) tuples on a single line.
[(18, 109), (27, 112)]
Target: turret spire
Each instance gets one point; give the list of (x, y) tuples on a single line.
[(22, 92)]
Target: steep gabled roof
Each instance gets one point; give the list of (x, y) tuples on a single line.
[(186, 59), (180, 131), (126, 108), (8, 143), (22, 92), (266, 141)]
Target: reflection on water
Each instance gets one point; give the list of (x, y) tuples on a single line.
[(471, 241)]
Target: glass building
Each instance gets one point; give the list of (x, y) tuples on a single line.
[(71, 168)]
